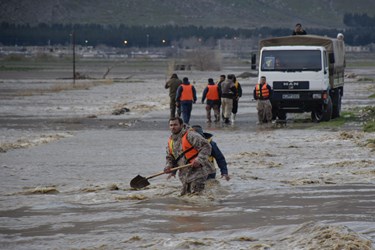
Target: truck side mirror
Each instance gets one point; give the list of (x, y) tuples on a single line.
[(331, 58), (253, 61)]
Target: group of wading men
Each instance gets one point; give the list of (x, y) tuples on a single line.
[(192, 147)]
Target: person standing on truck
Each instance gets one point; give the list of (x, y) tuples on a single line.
[(213, 95), (262, 93), (172, 84), (185, 97), (238, 87), (298, 30)]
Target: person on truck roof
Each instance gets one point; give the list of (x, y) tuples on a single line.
[(298, 30), (340, 36)]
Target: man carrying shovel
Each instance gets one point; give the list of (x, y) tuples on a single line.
[(185, 146)]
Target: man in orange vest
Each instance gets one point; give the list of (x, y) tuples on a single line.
[(263, 93), (185, 146), (213, 95), (185, 97)]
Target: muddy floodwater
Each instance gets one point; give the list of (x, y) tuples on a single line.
[(67, 158)]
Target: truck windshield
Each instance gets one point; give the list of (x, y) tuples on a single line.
[(291, 60)]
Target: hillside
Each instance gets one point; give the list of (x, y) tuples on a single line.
[(217, 13)]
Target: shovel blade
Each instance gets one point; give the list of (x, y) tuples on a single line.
[(139, 182)]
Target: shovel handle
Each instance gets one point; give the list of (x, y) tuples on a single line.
[(172, 169)]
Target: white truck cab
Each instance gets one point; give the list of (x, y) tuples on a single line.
[(306, 74)]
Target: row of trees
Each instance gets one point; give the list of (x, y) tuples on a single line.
[(359, 20), (141, 36)]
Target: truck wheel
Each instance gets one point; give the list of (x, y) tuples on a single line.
[(337, 105), (281, 115), (324, 113), (276, 113)]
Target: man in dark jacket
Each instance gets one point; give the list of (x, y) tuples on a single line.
[(298, 30), (236, 98), (172, 84), (215, 154), (228, 93), (185, 97)]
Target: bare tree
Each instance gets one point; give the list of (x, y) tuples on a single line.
[(204, 59)]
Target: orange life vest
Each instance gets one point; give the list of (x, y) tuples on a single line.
[(213, 92), (187, 92), (264, 93), (188, 150)]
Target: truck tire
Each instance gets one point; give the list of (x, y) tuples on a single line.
[(336, 105), (276, 113), (281, 115), (323, 114)]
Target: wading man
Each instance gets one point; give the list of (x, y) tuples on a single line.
[(185, 146), (216, 154)]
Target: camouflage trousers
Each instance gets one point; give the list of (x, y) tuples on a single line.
[(194, 187), (227, 106), (264, 108)]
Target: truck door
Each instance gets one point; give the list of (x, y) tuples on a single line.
[(326, 69)]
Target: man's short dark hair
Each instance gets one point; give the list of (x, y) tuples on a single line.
[(180, 121), (223, 76)]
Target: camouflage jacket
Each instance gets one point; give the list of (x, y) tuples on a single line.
[(189, 174), (173, 85)]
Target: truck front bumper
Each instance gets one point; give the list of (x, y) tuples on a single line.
[(298, 101)]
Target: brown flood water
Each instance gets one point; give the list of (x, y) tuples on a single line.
[(67, 164)]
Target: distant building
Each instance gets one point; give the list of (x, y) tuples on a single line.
[(237, 47)]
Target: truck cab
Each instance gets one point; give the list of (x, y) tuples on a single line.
[(306, 74)]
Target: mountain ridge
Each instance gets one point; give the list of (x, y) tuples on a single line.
[(205, 13)]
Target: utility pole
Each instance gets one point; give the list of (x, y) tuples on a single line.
[(74, 56), (147, 40)]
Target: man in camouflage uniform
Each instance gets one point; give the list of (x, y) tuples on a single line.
[(193, 178), (173, 84)]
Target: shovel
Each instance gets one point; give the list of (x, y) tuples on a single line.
[(141, 182)]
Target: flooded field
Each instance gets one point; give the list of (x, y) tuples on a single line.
[(67, 159)]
